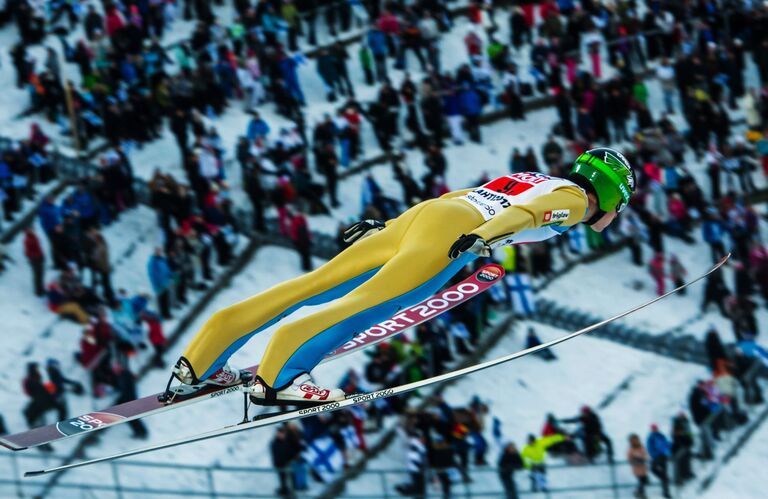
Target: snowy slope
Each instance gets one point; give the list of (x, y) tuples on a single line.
[(744, 476)]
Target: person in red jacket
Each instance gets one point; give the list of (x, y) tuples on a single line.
[(657, 271), (115, 21), (301, 239), (34, 253)]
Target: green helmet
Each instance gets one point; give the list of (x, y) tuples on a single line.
[(609, 174)]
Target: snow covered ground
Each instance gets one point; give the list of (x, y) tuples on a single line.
[(744, 475), (680, 312)]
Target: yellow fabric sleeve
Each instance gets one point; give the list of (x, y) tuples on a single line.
[(550, 440), (456, 194), (531, 215)]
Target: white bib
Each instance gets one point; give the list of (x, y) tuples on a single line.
[(497, 195)]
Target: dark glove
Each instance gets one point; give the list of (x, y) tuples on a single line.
[(361, 229), (469, 243)]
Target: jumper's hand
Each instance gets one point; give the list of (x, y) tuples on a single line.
[(361, 229), (469, 243)]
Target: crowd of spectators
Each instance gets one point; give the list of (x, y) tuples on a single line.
[(701, 66), (196, 236), (24, 166)]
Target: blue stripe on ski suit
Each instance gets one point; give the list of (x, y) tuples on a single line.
[(324, 297), (311, 352)]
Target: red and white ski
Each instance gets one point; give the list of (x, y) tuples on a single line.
[(367, 397), (481, 280)]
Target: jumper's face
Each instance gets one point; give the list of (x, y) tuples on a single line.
[(604, 221)]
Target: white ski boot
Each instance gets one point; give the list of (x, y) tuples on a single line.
[(302, 392), (190, 384)]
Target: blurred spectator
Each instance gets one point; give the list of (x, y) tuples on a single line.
[(125, 385), (285, 448), (98, 262), (638, 459), (509, 462), (59, 383), (682, 448), (301, 238), (533, 340), (34, 253), (42, 395), (534, 454), (416, 464), (677, 273), (594, 440), (658, 272), (161, 277), (659, 451)]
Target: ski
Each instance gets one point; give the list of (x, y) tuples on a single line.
[(479, 281), (367, 397)]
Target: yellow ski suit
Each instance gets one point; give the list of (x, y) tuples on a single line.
[(394, 268)]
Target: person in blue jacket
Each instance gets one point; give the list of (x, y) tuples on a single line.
[(377, 42), (659, 450), (161, 278), (452, 110), (49, 215), (287, 66), (85, 205), (471, 106), (257, 128), (712, 232)]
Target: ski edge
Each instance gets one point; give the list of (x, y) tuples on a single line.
[(358, 399), (10, 445), (217, 393)]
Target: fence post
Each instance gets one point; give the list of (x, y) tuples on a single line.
[(211, 486), (116, 479), (614, 484), (384, 484), (17, 476)]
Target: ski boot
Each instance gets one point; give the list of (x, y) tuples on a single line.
[(301, 392), (190, 384)]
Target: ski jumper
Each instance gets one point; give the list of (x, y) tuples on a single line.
[(379, 275)]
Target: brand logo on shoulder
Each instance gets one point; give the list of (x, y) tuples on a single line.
[(556, 216), (87, 422)]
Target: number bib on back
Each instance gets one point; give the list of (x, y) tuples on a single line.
[(494, 197)]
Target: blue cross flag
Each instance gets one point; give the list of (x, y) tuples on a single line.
[(324, 457), (521, 291)]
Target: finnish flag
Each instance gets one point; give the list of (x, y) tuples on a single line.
[(324, 457), (521, 291), (351, 437)]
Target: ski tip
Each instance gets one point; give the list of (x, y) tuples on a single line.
[(10, 445), (30, 474)]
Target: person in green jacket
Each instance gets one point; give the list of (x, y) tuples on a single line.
[(366, 61), (534, 455), (640, 92)]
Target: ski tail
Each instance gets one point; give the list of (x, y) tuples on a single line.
[(368, 397)]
